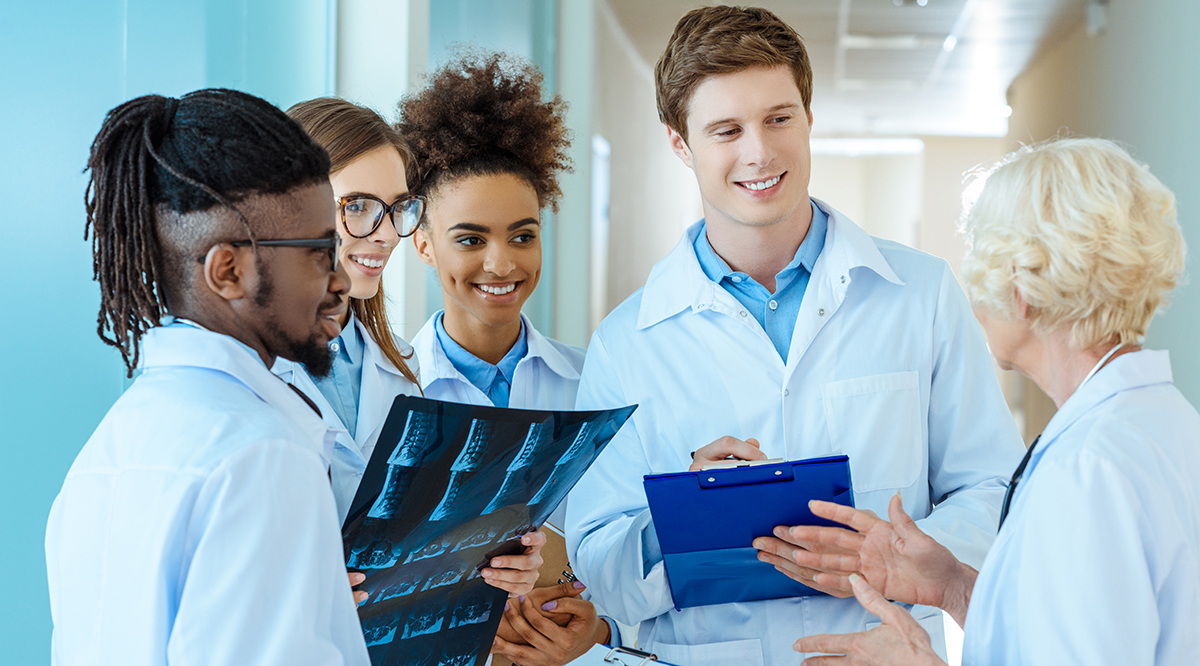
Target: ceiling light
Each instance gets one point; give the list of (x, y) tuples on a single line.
[(950, 43)]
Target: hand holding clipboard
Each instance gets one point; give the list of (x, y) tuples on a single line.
[(706, 522)]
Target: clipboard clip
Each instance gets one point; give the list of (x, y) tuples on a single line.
[(645, 656)]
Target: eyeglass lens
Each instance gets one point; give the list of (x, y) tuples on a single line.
[(362, 215)]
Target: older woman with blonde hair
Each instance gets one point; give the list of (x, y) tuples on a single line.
[(1073, 248)]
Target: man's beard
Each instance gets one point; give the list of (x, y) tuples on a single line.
[(316, 357)]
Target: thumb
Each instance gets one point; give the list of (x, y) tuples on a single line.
[(753, 442), (901, 521), (872, 600)]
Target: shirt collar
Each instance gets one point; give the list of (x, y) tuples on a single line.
[(478, 371), (350, 341), (717, 269), (1125, 372), (430, 348), (187, 344), (678, 282)]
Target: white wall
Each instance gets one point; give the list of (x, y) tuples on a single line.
[(653, 195), (1137, 84)]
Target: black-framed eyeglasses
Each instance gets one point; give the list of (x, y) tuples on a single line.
[(332, 243), (361, 214)]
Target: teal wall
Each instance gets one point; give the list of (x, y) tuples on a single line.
[(65, 65)]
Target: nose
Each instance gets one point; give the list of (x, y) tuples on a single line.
[(497, 260), (386, 234), (757, 148)]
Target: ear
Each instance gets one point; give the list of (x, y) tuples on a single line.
[(1022, 306), (421, 242), (810, 120), (225, 271), (679, 147)]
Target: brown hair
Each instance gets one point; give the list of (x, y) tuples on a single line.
[(348, 131), (484, 114), (723, 40)]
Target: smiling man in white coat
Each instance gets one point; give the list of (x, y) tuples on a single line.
[(778, 329)]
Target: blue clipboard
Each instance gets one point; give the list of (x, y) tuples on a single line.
[(706, 522)]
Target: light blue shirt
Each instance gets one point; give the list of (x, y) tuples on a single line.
[(494, 380), (886, 365), (342, 385), (775, 312), (186, 523), (1099, 559)]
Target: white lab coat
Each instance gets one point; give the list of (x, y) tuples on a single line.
[(197, 526), (547, 378), (1099, 559), (887, 365), (381, 383)]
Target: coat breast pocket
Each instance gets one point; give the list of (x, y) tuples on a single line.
[(876, 421), (737, 653)]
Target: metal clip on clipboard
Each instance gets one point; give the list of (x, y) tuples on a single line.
[(612, 657)]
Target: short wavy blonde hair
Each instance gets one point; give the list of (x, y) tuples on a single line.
[(1084, 233)]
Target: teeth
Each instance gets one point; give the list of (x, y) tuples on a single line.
[(369, 263), (763, 185), (498, 291)]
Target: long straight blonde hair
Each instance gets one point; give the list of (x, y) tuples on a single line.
[(348, 131)]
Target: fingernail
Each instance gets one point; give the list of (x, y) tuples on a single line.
[(810, 503), (496, 563), (486, 573), (780, 532), (579, 585), (522, 598), (526, 539), (362, 602), (549, 605), (855, 578), (506, 605)]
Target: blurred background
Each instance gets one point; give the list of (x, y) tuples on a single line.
[(909, 96)]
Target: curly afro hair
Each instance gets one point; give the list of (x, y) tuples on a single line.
[(484, 115)]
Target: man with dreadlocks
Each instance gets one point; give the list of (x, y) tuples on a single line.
[(197, 525)]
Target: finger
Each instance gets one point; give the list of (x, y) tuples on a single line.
[(567, 588), (856, 519), (825, 643), (513, 582), (534, 540), (357, 578), (824, 660), (518, 654), (834, 540), (901, 521), (753, 442), (580, 608), (873, 601), (360, 597), (540, 631), (528, 562)]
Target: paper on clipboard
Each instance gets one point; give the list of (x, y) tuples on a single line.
[(706, 523), (603, 655)]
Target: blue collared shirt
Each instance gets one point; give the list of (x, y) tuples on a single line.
[(776, 312), (341, 386), (494, 380)]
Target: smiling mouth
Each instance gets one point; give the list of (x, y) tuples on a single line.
[(498, 290), (759, 185), (369, 263)]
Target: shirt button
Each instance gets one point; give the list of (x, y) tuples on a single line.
[(772, 305), (785, 392), (736, 278), (821, 312), (334, 346), (743, 313), (843, 279)]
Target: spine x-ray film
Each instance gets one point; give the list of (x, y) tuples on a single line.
[(448, 487)]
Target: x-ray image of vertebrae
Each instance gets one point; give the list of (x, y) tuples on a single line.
[(448, 487)]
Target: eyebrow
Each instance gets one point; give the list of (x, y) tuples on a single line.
[(725, 121), (479, 228)]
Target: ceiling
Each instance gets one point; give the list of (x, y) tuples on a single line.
[(882, 69)]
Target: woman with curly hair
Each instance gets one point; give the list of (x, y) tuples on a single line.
[(370, 170), (492, 149), (1074, 247)]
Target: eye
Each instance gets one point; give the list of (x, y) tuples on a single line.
[(780, 120), (525, 237), (469, 241), (731, 132)]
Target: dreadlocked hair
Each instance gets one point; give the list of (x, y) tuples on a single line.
[(348, 131), (484, 115), (155, 154)]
